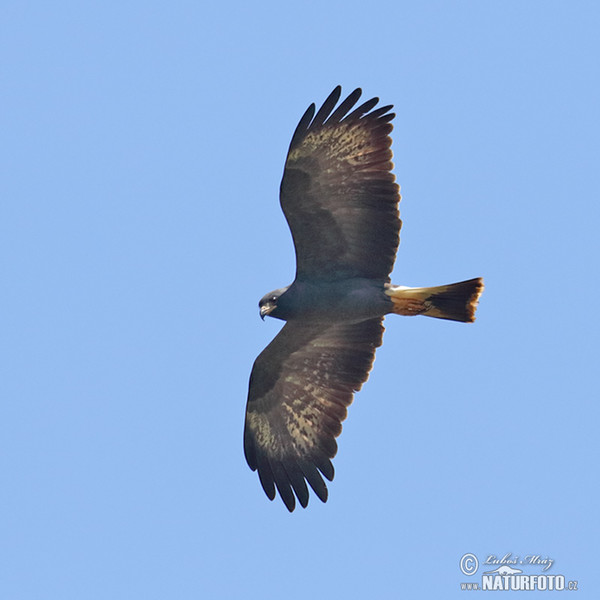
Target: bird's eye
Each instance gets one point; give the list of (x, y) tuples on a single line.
[(273, 298)]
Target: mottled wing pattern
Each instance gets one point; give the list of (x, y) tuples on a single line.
[(338, 193), (300, 388)]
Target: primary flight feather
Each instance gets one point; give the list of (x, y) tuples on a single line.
[(340, 200)]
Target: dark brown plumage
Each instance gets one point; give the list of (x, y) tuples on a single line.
[(301, 385), (340, 199), (338, 194)]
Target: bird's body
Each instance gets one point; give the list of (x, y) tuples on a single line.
[(340, 199), (354, 299)]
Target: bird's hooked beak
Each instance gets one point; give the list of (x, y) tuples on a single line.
[(266, 309)]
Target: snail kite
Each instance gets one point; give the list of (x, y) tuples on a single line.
[(340, 200)]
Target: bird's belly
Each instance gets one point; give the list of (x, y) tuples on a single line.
[(348, 300)]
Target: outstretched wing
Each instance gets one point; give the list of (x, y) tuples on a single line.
[(338, 193), (300, 387)]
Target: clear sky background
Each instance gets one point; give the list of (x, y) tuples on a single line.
[(142, 149)]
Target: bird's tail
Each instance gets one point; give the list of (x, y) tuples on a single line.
[(456, 301)]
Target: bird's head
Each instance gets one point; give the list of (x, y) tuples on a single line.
[(268, 304)]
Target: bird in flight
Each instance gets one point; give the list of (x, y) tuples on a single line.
[(340, 199)]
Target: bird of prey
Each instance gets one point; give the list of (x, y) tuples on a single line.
[(340, 200)]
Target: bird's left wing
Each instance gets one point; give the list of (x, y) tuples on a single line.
[(338, 191), (300, 387)]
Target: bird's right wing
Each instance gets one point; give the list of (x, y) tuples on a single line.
[(300, 387)]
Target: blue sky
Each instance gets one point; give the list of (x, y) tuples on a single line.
[(143, 145)]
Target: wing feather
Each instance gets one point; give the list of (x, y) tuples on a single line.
[(345, 106), (338, 193), (327, 107), (300, 388), (362, 109), (298, 482), (302, 126)]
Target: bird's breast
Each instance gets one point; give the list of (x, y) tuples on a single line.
[(347, 300)]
